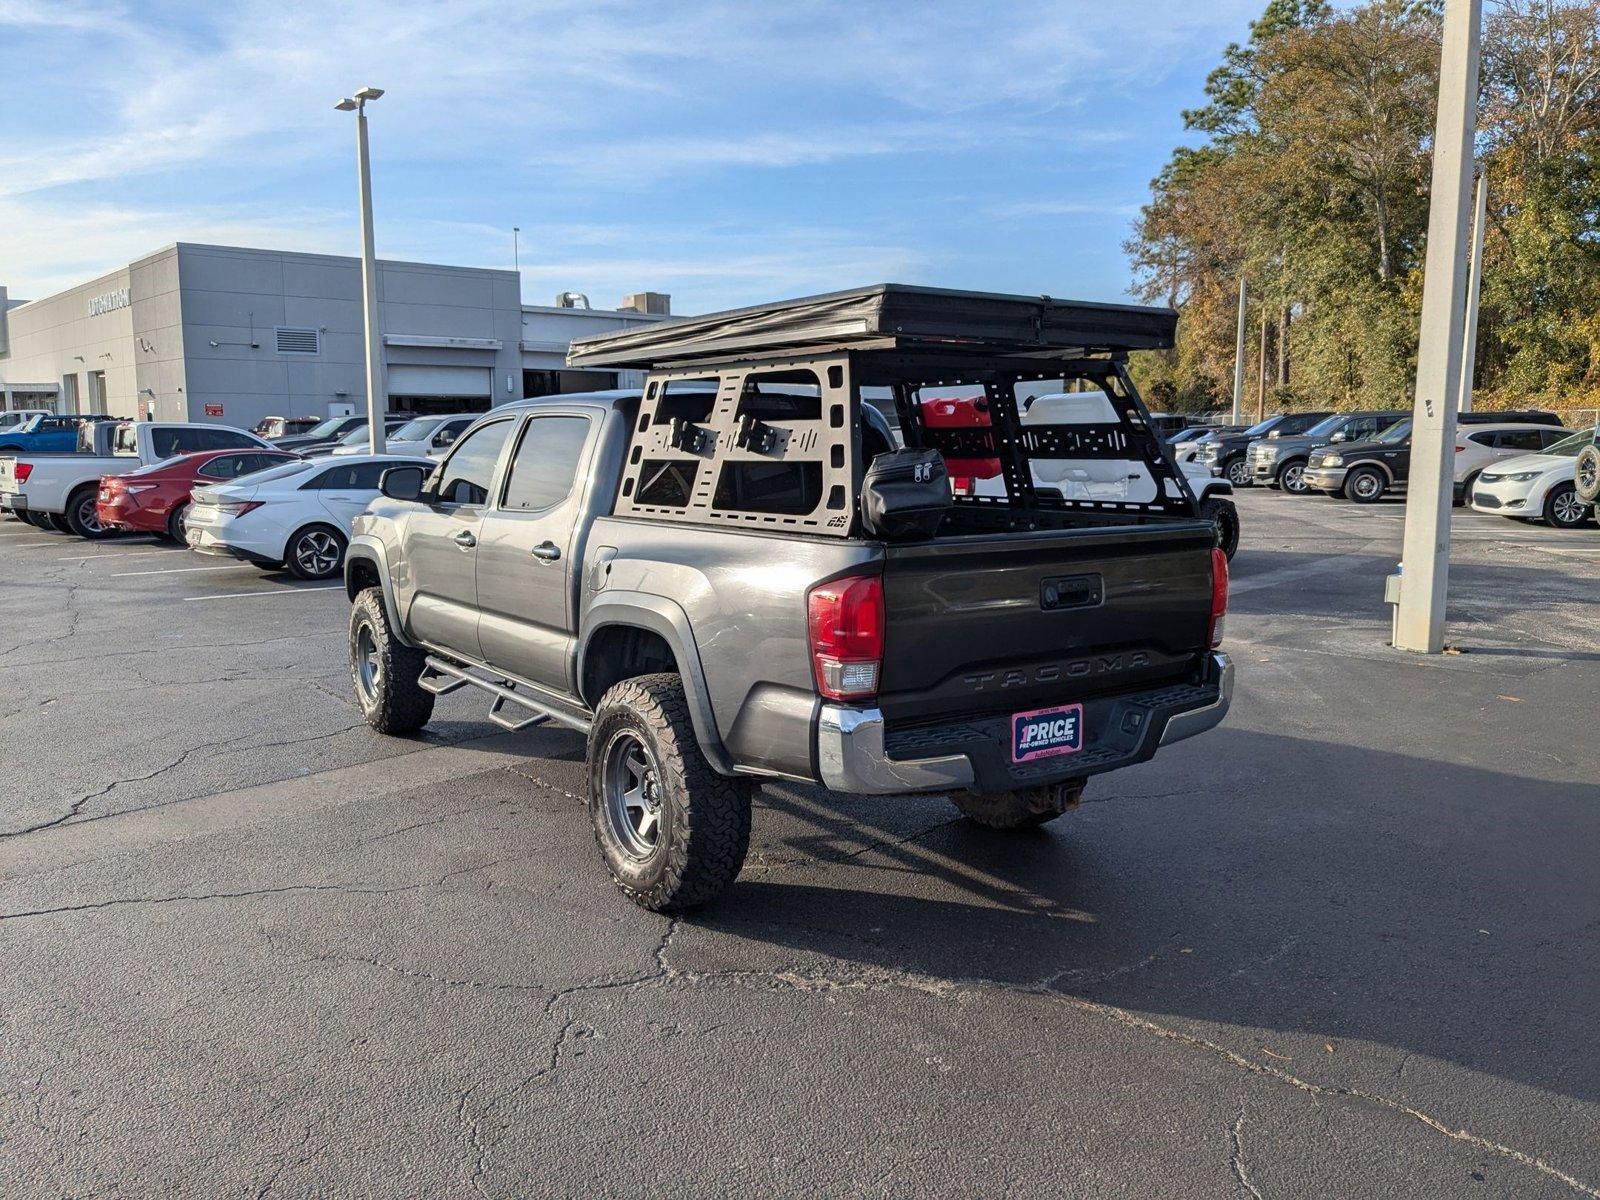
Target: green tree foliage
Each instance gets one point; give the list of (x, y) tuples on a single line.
[(1311, 182)]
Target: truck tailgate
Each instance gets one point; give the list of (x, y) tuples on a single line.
[(8, 474), (1002, 623)]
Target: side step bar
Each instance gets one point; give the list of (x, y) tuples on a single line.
[(441, 678)]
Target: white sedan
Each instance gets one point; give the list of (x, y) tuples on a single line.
[(1536, 486), (431, 436), (297, 515)]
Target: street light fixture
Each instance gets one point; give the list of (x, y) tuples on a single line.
[(376, 393)]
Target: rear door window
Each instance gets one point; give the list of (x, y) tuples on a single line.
[(1521, 439), (224, 466), (546, 463)]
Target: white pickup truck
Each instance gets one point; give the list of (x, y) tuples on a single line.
[(57, 491), (14, 417)]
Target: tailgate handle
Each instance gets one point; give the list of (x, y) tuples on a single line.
[(1071, 591)]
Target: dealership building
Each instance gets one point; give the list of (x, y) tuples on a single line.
[(230, 335)]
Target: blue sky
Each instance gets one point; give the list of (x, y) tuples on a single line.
[(724, 152)]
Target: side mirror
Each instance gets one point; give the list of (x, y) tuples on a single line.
[(402, 483), (445, 437), (1341, 436)]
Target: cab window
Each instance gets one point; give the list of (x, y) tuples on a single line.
[(545, 464), (468, 472)]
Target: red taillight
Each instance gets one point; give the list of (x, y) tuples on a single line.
[(1219, 596), (845, 620), (22, 471), (961, 485)]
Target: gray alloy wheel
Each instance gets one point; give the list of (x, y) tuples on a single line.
[(1292, 479), (1364, 485), (315, 553), (631, 794), (368, 666), (1239, 473), (81, 517), (1564, 509)]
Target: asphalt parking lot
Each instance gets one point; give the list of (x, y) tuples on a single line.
[(1345, 945)]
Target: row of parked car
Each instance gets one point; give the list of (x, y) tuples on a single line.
[(282, 496), (1514, 464)]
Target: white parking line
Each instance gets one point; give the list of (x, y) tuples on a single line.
[(283, 591), (61, 541), (178, 570), (116, 554)]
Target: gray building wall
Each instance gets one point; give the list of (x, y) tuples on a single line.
[(189, 333)]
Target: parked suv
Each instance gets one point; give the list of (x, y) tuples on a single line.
[(1280, 461), (1367, 471), (1224, 454), (737, 577)]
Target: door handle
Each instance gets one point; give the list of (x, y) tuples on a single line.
[(464, 539), (547, 552)]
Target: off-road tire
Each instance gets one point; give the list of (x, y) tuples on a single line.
[(80, 503), (394, 703), (1559, 504), (1224, 518), (704, 822), (1356, 491), (1027, 809), (1587, 476)]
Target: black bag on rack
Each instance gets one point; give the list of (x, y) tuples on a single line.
[(905, 495)]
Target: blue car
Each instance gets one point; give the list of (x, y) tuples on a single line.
[(43, 435)]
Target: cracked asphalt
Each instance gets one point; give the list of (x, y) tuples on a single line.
[(1345, 945)]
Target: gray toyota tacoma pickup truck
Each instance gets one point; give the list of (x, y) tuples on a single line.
[(755, 569)]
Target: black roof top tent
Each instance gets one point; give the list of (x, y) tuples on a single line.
[(890, 316)]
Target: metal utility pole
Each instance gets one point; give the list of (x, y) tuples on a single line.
[(1469, 352), (516, 252), (1238, 359), (377, 394), (1419, 623)]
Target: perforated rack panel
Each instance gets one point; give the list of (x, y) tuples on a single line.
[(824, 443)]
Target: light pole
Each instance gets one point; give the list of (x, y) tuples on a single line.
[(1238, 359), (1469, 351), (1419, 623), (516, 252), (377, 400)]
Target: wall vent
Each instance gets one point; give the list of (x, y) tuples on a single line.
[(296, 341)]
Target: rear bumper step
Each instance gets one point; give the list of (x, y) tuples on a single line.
[(858, 752)]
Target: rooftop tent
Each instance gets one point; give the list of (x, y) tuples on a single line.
[(890, 316)]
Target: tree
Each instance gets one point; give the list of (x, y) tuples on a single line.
[(1310, 180)]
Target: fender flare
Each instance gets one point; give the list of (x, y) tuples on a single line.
[(363, 547), (1211, 487), (666, 618)]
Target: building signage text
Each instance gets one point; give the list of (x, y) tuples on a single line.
[(108, 302)]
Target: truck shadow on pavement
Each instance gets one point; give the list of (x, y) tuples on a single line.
[(1401, 905)]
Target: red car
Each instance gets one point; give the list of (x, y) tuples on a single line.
[(153, 499)]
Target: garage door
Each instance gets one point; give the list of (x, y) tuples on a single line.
[(405, 380)]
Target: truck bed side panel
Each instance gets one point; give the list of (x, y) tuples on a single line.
[(744, 595)]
